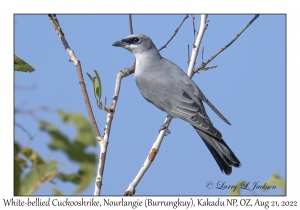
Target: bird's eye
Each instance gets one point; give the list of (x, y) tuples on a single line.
[(136, 40)]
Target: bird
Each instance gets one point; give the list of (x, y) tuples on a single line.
[(167, 86)]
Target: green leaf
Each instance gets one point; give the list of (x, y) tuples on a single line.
[(84, 137), (74, 178), (87, 173), (20, 65), (275, 180), (77, 153), (58, 140), (17, 148), (17, 177), (94, 88), (236, 191), (90, 76), (22, 162), (34, 157), (96, 91), (84, 129), (83, 178), (99, 90), (38, 175), (56, 191)]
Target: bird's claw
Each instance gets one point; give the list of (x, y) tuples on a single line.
[(164, 127), (167, 132)]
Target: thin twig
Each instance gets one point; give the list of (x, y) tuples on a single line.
[(194, 30), (202, 53), (222, 49), (32, 111), (188, 62), (28, 142), (155, 148), (25, 131), (130, 24), (165, 45), (55, 23)]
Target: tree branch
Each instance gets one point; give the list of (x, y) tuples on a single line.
[(155, 148), (55, 23), (165, 45), (222, 49), (25, 131), (32, 111), (104, 142), (196, 46)]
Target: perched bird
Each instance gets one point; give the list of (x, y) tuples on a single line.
[(167, 87)]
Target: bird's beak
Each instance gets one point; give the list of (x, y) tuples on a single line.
[(118, 43)]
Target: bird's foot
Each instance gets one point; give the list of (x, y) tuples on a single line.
[(164, 127)]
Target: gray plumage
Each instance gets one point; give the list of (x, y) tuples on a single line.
[(166, 86)]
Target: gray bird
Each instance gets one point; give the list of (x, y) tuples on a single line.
[(167, 87)]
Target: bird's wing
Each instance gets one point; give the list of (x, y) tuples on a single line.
[(193, 87), (189, 86), (193, 112)]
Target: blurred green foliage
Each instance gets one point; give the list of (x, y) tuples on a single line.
[(41, 171)]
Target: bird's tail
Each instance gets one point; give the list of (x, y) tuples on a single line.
[(221, 152)]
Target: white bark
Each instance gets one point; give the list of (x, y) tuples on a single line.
[(103, 142), (197, 45)]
